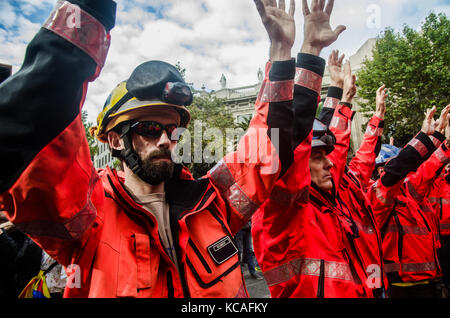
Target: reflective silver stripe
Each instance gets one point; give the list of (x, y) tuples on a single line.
[(435, 141), (418, 197), (410, 267), (241, 292), (308, 79), (438, 200), (419, 146), (426, 208), (309, 267), (331, 102), (434, 199), (231, 191), (377, 131), (379, 194), (280, 91), (87, 33), (339, 123), (70, 229), (285, 198), (222, 177), (440, 154), (415, 230), (368, 229)]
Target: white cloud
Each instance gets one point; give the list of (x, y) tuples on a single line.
[(208, 37)]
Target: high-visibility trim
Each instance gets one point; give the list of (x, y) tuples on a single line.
[(241, 292), (231, 191), (279, 91), (331, 102), (81, 29), (371, 131), (70, 229), (415, 230), (308, 79), (438, 200), (440, 154), (379, 194), (285, 198), (410, 267), (412, 190), (368, 229), (426, 208), (419, 146), (309, 267), (339, 123), (435, 141), (444, 226)]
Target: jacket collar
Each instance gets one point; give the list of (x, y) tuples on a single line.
[(321, 198), (183, 193)]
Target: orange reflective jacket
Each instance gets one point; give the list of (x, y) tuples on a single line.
[(85, 219), (408, 224)]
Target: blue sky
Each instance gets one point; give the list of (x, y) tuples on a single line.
[(208, 37)]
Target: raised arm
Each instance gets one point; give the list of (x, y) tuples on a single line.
[(246, 177), (383, 191), (420, 183), (318, 34), (341, 125), (363, 162), (335, 90), (47, 185)]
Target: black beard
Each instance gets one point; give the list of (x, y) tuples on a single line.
[(155, 172)]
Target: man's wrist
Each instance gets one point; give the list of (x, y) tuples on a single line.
[(310, 49), (280, 52), (337, 84), (347, 99), (379, 115)]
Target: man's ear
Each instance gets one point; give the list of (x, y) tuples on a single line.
[(114, 141)]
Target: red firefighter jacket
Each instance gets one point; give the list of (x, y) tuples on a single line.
[(354, 184), (439, 198), (409, 228), (304, 239), (85, 219)]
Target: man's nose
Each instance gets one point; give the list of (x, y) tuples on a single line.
[(164, 140), (328, 163)]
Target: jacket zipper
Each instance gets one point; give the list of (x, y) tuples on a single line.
[(170, 287), (321, 282), (401, 233)]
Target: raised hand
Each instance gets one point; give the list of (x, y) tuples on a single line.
[(335, 68), (381, 102), (442, 122), (280, 26), (428, 126), (349, 84), (317, 29)]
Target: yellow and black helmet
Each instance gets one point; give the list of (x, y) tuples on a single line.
[(152, 84)]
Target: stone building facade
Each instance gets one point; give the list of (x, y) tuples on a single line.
[(241, 100)]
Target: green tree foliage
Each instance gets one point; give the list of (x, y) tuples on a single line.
[(208, 114), (91, 140), (414, 66)]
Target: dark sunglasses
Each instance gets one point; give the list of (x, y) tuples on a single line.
[(153, 129)]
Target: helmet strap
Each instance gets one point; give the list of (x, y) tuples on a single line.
[(128, 154)]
